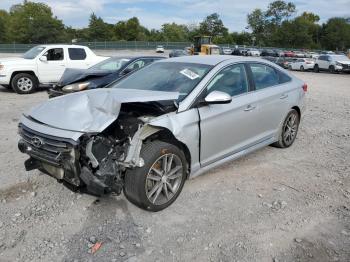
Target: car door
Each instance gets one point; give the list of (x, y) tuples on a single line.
[(228, 128), (272, 92), (51, 70)]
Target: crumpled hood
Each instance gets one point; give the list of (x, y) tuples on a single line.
[(94, 110), (72, 75)]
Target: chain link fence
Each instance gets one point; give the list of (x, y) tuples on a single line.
[(21, 48)]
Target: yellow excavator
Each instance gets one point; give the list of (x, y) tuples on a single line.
[(203, 46)]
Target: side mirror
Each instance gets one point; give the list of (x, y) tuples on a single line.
[(218, 97), (43, 58)]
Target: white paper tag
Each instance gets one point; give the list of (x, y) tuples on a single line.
[(190, 74)]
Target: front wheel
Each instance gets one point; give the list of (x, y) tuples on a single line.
[(332, 69), (289, 130), (23, 83), (159, 182), (302, 69)]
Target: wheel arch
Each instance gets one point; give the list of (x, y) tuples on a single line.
[(166, 135), (23, 72), (296, 108)]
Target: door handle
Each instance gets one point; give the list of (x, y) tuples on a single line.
[(249, 108), (62, 65), (284, 96)]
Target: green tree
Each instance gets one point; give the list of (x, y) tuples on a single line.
[(4, 16), (98, 30), (130, 30), (336, 34), (212, 25), (174, 32), (34, 23)]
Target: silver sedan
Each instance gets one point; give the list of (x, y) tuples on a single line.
[(175, 119)]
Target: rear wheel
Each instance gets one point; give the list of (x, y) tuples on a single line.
[(316, 69), (159, 182), (24, 83), (289, 130)]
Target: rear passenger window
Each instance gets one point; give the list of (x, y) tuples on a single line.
[(77, 53), (264, 76), (283, 78)]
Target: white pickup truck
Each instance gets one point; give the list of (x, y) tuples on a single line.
[(44, 65)]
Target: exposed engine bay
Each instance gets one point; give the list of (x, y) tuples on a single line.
[(98, 162)]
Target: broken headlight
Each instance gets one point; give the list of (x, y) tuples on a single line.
[(75, 87)]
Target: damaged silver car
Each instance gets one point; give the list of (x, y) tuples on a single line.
[(173, 120)]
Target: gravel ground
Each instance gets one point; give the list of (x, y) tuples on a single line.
[(272, 205)]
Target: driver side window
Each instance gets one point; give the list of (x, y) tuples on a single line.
[(54, 54), (231, 80)]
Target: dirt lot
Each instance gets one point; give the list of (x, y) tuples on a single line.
[(272, 205)]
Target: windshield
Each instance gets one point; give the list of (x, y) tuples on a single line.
[(34, 52), (166, 76), (339, 58), (111, 64)]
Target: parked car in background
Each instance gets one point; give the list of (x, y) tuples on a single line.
[(44, 65), (100, 75), (226, 50), (169, 121), (332, 63), (253, 52), (160, 49), (284, 61), (289, 54), (313, 55), (269, 52), (302, 64), (178, 52), (299, 54), (240, 52)]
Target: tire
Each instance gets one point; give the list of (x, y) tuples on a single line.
[(290, 67), (302, 69), (285, 140), (23, 83), (148, 189), (332, 69), (316, 69)]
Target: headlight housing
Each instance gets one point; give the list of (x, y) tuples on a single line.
[(75, 87), (338, 64)]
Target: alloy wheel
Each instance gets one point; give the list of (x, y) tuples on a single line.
[(164, 179), (290, 129), (25, 84)]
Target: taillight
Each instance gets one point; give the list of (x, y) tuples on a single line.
[(305, 87)]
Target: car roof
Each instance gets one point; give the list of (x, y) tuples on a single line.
[(62, 45), (136, 57), (209, 59)]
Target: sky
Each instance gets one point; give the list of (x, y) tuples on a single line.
[(153, 14)]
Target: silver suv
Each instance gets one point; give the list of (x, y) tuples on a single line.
[(332, 63), (172, 120)]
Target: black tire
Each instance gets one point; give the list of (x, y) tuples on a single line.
[(24, 83), (302, 68), (135, 179), (316, 69), (282, 141), (332, 69), (290, 67)]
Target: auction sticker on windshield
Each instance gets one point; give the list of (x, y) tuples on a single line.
[(190, 74)]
